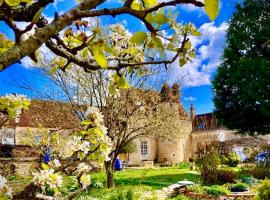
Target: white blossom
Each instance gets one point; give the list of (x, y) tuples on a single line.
[(77, 144), (5, 190), (85, 180), (82, 167), (47, 177), (55, 163)]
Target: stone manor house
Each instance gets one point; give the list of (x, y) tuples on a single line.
[(192, 132)]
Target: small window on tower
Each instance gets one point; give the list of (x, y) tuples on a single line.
[(202, 125)]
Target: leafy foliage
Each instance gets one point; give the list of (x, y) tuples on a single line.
[(212, 8), (209, 167), (11, 105), (239, 186), (264, 190), (216, 190), (5, 43), (232, 159), (242, 82), (226, 176)]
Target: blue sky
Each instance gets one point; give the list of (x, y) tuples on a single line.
[(195, 77)]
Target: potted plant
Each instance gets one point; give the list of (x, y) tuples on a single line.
[(239, 187), (247, 178), (246, 174)]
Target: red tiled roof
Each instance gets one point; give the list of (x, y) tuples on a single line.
[(49, 114)]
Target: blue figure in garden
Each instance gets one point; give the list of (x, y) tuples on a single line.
[(117, 165), (47, 155)]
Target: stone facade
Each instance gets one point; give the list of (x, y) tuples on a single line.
[(19, 166), (188, 133)]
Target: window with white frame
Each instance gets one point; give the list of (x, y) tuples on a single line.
[(144, 148), (7, 136)]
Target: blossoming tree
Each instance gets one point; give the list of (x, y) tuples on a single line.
[(89, 143), (130, 113)]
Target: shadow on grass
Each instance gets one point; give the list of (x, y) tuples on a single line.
[(158, 181)]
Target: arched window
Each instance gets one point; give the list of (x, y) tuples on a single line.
[(144, 148)]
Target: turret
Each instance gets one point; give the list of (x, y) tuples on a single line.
[(176, 93), (165, 92)]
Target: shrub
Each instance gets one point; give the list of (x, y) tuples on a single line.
[(124, 195), (196, 189), (97, 184), (264, 190), (232, 159), (183, 165), (130, 195), (226, 176), (239, 187), (252, 157), (216, 190), (247, 171), (180, 197), (209, 167), (261, 171)]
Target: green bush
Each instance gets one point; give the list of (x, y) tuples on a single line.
[(216, 190), (232, 159), (261, 171), (264, 190), (226, 176), (240, 186), (124, 195), (209, 167), (180, 197), (183, 165), (97, 184), (196, 189), (247, 171)]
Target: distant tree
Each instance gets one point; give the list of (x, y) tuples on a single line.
[(242, 83)]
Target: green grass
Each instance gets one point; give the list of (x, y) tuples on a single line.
[(141, 181)]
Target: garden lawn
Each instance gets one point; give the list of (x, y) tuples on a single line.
[(141, 181)]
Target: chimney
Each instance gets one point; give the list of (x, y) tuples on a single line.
[(192, 112), (165, 92), (176, 93)]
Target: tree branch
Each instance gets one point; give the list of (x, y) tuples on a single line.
[(42, 35), (24, 14)]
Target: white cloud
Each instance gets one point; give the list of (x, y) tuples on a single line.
[(209, 51), (55, 3), (190, 8), (45, 54), (190, 98)]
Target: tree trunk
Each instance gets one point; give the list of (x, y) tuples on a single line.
[(109, 166)]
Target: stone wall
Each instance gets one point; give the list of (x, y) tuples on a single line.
[(204, 138), (18, 166), (135, 158), (21, 133), (174, 150)]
